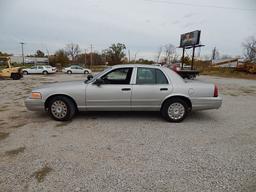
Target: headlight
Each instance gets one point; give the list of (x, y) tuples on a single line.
[(36, 95)]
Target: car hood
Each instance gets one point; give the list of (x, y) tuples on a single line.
[(65, 84)]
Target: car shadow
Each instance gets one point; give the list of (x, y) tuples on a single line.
[(194, 116), (117, 115)]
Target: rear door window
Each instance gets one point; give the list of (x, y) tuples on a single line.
[(150, 76)]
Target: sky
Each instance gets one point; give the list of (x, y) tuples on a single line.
[(142, 25)]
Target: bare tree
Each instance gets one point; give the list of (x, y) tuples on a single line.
[(72, 50), (250, 49), (170, 53)]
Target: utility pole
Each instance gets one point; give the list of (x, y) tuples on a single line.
[(135, 57), (85, 58), (22, 52), (91, 58), (129, 56), (48, 56)]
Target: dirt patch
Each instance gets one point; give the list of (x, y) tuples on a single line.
[(3, 135), (63, 124), (42, 173), (18, 125), (15, 151)]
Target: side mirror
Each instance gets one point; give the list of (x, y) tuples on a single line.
[(98, 82), (89, 77)]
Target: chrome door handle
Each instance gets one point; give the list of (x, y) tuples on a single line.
[(126, 89)]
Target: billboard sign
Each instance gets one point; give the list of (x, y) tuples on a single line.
[(190, 39)]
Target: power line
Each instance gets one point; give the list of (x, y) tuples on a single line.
[(200, 5)]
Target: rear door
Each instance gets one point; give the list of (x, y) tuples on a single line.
[(40, 69), (151, 87), (80, 70)]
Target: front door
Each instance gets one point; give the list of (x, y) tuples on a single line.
[(150, 89), (113, 94)]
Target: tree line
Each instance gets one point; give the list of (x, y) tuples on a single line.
[(72, 54), (116, 54)]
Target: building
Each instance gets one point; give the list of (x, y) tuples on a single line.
[(29, 60)]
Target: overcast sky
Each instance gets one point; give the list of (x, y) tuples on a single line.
[(143, 25)]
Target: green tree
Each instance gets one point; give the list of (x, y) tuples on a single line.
[(115, 53), (39, 53)]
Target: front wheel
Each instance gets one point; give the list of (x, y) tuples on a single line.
[(69, 72), (86, 72), (16, 76), (61, 108), (25, 73), (174, 110)]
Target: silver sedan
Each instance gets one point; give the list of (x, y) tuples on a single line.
[(126, 88)]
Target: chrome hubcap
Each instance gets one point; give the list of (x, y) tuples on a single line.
[(59, 109), (176, 111)]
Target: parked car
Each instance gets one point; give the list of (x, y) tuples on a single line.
[(43, 69), (126, 88), (76, 69)]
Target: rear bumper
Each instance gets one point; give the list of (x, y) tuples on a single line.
[(205, 103), (34, 104)]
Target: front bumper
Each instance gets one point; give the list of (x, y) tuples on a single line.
[(205, 103), (35, 104)]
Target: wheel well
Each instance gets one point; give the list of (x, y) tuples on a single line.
[(62, 95), (187, 100)]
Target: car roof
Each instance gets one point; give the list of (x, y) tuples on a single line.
[(136, 65), (75, 65)]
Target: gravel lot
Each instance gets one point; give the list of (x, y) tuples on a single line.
[(210, 151)]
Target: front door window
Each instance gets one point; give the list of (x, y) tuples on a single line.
[(118, 76)]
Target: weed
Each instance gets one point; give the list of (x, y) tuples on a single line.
[(41, 173)]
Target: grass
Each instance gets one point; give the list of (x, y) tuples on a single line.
[(3, 135), (248, 90), (225, 72), (42, 173), (15, 151)]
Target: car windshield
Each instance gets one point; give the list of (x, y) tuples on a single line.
[(98, 75)]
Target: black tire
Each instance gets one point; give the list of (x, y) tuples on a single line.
[(86, 72), (181, 108), (45, 72), (69, 72), (25, 73), (69, 109), (16, 76)]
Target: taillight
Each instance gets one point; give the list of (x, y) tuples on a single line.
[(216, 92)]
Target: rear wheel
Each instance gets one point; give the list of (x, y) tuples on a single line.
[(61, 108), (174, 110), (45, 72), (86, 72)]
